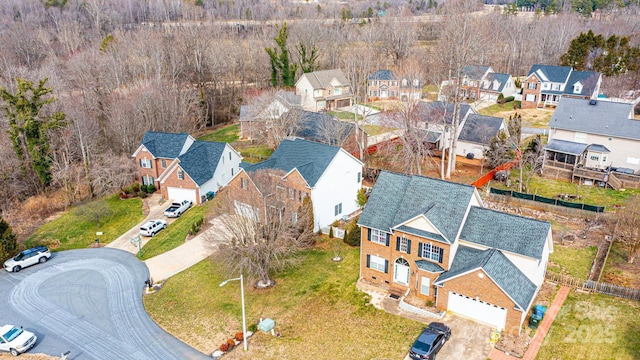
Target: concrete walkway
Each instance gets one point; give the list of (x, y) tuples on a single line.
[(541, 332)]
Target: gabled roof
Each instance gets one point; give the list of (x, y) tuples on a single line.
[(552, 73), (163, 144), (475, 72), (588, 80), (322, 79), (566, 147), (596, 117), (396, 198), (201, 160), (500, 78), (498, 267), (382, 75), (315, 126), (288, 98), (506, 232), (480, 129), (434, 111), (310, 158)]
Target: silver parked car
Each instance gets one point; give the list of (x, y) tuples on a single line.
[(36, 255)]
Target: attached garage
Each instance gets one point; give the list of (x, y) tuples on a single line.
[(179, 194), (477, 310)]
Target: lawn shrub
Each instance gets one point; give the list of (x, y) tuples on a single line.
[(330, 232), (501, 99), (143, 188), (352, 234), (151, 189), (509, 99)]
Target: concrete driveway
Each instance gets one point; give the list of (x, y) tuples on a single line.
[(88, 301), (469, 340)]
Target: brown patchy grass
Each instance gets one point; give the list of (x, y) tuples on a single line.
[(530, 117)]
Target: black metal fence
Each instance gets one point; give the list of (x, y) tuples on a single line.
[(546, 200)]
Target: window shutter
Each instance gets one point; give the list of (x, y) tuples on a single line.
[(408, 246), (441, 255), (141, 163), (368, 260), (420, 249), (397, 243), (388, 237), (369, 234), (386, 266)]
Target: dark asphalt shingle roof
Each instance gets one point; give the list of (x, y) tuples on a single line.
[(433, 112), (316, 126), (201, 160), (588, 79), (599, 148), (605, 118), (422, 233), (474, 72), (501, 79), (498, 267), (506, 232), (558, 74), (429, 266), (310, 158), (163, 144), (480, 129), (566, 147), (382, 75), (396, 198)]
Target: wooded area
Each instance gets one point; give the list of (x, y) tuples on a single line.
[(105, 71)]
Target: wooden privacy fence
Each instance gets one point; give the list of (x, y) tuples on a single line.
[(594, 286)]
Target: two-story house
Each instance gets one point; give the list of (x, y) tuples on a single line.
[(587, 138), (435, 239), (183, 168), (481, 82), (328, 174), (384, 84), (546, 84), (324, 90), (256, 119), (327, 129)]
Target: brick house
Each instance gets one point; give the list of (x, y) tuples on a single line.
[(327, 129), (481, 82), (384, 84), (183, 168), (324, 90), (328, 174), (435, 239), (546, 84)]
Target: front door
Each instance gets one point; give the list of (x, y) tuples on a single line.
[(401, 272)]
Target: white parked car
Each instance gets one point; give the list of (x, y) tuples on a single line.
[(152, 227), (16, 340), (38, 254)]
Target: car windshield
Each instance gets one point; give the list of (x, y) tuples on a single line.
[(18, 257), (422, 346), (12, 334)]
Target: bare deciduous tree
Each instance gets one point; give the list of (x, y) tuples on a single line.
[(627, 228)]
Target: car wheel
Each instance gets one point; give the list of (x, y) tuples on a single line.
[(14, 352), (165, 225), (153, 234), (42, 260), (16, 268)]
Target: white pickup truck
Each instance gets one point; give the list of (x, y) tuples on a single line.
[(177, 208)]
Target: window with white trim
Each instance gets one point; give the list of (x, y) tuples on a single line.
[(243, 183), (404, 244), (431, 252), (292, 193), (359, 177), (580, 137), (377, 263), (145, 163), (163, 162), (181, 174), (378, 236), (147, 180), (338, 209), (425, 284), (294, 217), (632, 160), (532, 86)]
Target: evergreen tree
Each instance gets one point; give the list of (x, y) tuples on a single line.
[(8, 242), (283, 72), (28, 128), (582, 51), (499, 151)]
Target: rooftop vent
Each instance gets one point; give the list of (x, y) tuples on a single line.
[(592, 102)]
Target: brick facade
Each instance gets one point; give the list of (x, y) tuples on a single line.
[(532, 87), (156, 166), (172, 180)]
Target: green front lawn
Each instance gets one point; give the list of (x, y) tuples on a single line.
[(75, 229), (572, 261), (497, 108), (594, 327), (316, 308), (174, 235), (227, 134)]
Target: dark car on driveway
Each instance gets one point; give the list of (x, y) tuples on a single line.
[(430, 341)]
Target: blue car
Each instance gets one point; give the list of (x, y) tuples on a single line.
[(430, 341)]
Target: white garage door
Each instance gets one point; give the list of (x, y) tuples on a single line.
[(178, 194), (477, 310)]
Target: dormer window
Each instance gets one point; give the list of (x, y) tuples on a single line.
[(577, 88)]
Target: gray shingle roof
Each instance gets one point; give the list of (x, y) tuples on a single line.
[(429, 266), (310, 158), (553, 73), (314, 126), (588, 79), (506, 232), (421, 233), (566, 147), (382, 75), (322, 79), (201, 160), (599, 148), (395, 198), (480, 129), (433, 112), (475, 72), (498, 267), (500, 78), (164, 145), (288, 98), (605, 118)]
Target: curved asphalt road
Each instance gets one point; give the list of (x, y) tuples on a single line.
[(88, 301)]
